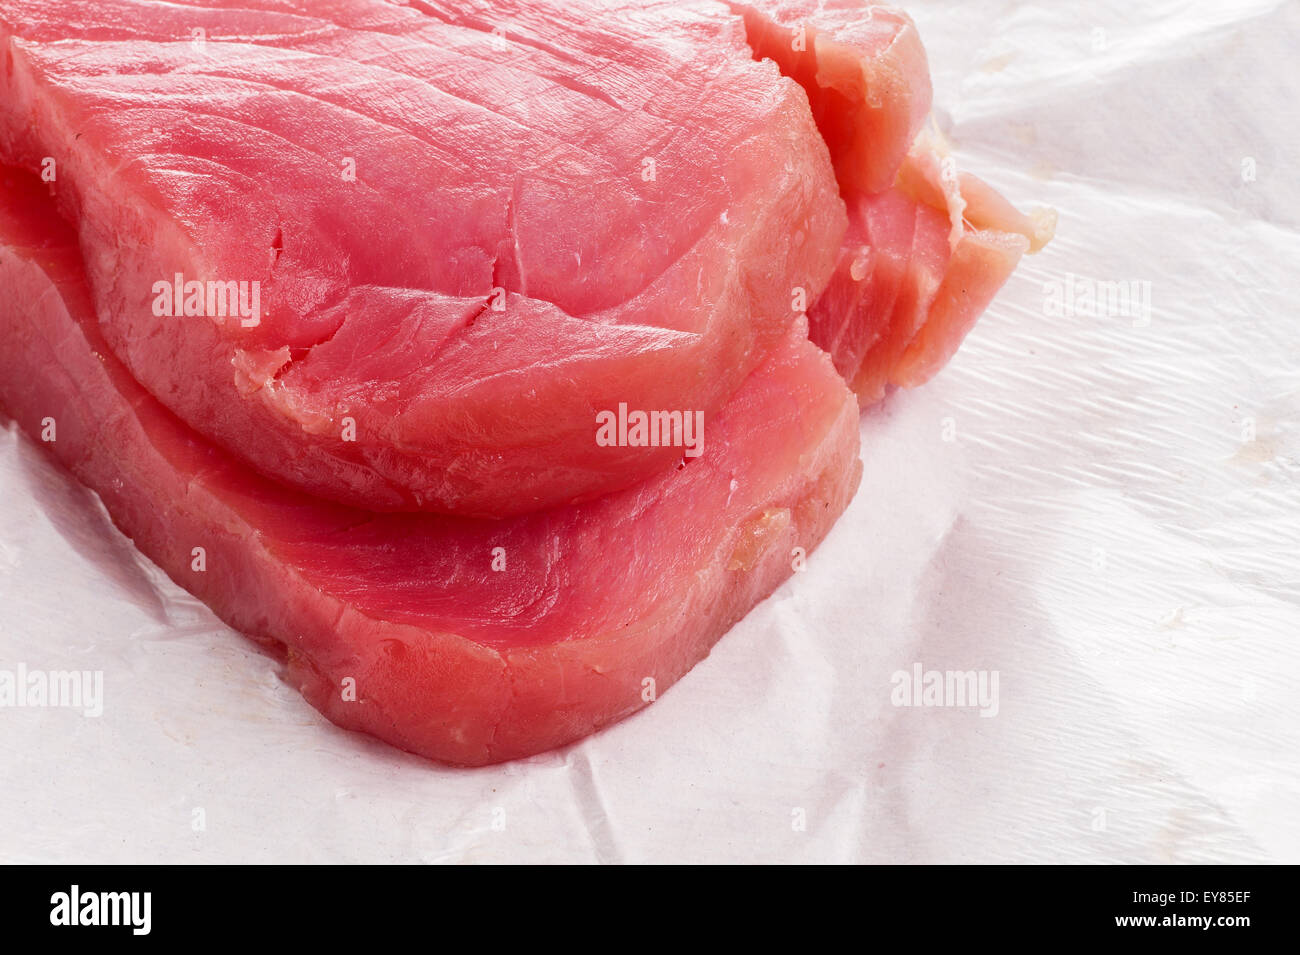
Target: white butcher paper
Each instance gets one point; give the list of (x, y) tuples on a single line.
[(1102, 509)]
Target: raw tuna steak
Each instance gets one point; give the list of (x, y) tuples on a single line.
[(469, 641), (469, 227)]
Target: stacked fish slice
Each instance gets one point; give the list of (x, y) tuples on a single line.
[(488, 360)]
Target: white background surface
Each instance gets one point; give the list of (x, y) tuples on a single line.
[(1099, 531)]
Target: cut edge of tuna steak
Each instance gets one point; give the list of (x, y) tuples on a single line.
[(865, 72), (466, 641), (465, 376), (921, 262)]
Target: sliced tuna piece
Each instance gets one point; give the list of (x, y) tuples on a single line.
[(464, 640), (472, 226), (925, 250), (889, 271), (865, 72), (921, 262)]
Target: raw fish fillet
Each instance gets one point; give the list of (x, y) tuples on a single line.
[(598, 607), (500, 151), (473, 225)]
